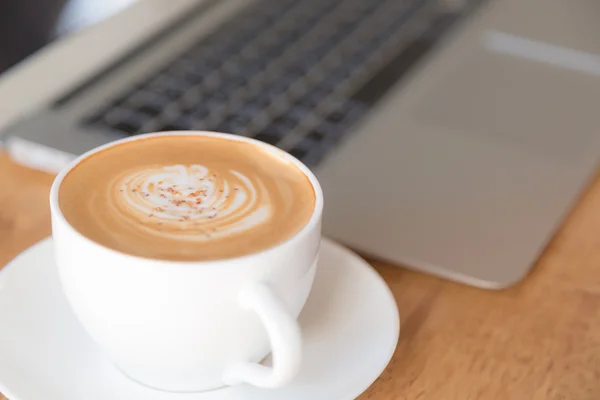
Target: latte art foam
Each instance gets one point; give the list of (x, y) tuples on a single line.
[(187, 198), (191, 202)]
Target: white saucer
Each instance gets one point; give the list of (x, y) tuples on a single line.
[(350, 326)]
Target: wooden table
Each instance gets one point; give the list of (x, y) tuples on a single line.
[(538, 340)]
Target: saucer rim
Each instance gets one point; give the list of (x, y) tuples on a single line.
[(325, 243)]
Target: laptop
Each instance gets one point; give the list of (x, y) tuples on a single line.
[(450, 137)]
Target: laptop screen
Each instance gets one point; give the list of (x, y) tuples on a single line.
[(28, 25), (79, 14)]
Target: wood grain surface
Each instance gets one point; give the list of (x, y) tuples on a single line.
[(537, 340)]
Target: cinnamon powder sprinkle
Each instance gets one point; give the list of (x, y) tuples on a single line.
[(173, 191)]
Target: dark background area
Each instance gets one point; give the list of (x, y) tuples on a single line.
[(28, 25)]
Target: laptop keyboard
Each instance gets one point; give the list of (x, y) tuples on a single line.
[(293, 73)]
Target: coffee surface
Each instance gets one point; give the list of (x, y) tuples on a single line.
[(187, 198)]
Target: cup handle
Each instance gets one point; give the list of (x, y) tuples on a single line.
[(284, 334)]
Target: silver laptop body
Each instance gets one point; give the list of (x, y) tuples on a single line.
[(464, 167)]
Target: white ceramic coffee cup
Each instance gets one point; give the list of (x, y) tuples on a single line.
[(191, 326)]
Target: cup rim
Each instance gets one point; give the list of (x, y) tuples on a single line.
[(315, 218)]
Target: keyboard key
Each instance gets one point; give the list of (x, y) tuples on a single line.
[(273, 133), (96, 118), (125, 121), (298, 113), (175, 126), (249, 111), (299, 153), (219, 95), (324, 131), (284, 124), (260, 102), (233, 124), (125, 127), (147, 103), (185, 122), (267, 137), (199, 112), (337, 116)]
